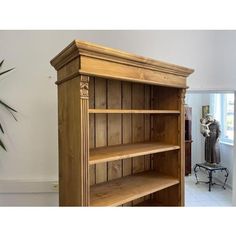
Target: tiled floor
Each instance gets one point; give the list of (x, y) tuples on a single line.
[(198, 194)]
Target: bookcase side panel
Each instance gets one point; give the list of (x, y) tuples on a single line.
[(181, 138), (73, 142)]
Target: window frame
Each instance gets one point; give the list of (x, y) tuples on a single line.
[(223, 120)]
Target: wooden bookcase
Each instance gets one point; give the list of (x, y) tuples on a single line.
[(121, 128), (188, 140)]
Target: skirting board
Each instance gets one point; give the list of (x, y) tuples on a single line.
[(28, 186)]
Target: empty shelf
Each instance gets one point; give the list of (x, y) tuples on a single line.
[(126, 189), (117, 152)]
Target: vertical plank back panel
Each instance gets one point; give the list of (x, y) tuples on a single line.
[(126, 125), (163, 126), (100, 126), (138, 128), (147, 122), (167, 197), (126, 128), (138, 122), (166, 163), (165, 98), (147, 128), (114, 130)]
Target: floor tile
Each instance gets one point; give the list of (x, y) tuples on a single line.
[(197, 195)]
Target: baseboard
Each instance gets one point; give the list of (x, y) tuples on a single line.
[(28, 186)]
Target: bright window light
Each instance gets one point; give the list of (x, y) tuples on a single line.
[(227, 104), (223, 111)]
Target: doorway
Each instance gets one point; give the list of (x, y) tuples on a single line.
[(220, 104)]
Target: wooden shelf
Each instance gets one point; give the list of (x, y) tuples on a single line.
[(123, 111), (129, 188), (124, 151), (148, 203), (151, 203)]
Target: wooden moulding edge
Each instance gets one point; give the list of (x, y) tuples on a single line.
[(78, 47)]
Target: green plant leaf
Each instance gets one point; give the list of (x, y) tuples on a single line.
[(1, 63), (1, 73), (1, 128), (7, 106), (2, 145), (10, 109)]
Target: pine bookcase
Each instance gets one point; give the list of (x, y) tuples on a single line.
[(121, 128)]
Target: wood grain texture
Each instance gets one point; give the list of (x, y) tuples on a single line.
[(92, 168), (83, 49), (167, 197), (147, 128), (181, 141), (101, 126), (124, 151), (188, 157), (138, 127), (109, 69), (114, 126), (121, 134), (126, 189), (126, 128), (126, 125), (165, 98), (73, 144), (132, 111)]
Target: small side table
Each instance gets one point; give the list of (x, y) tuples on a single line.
[(211, 168)]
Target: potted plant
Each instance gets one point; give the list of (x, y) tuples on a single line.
[(5, 106)]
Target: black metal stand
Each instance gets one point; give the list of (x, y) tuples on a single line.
[(210, 168)]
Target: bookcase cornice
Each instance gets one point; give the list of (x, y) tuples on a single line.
[(80, 48)]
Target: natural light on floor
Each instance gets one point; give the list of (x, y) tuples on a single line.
[(197, 195)]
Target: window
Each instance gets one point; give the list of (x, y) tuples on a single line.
[(223, 111), (227, 118)]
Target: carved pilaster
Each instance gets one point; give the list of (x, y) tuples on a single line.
[(182, 96), (84, 87), (84, 127)]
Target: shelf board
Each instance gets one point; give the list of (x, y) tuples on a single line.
[(126, 189), (123, 111), (147, 203), (124, 151)]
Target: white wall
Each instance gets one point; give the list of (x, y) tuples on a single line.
[(227, 160), (234, 151), (32, 141)]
